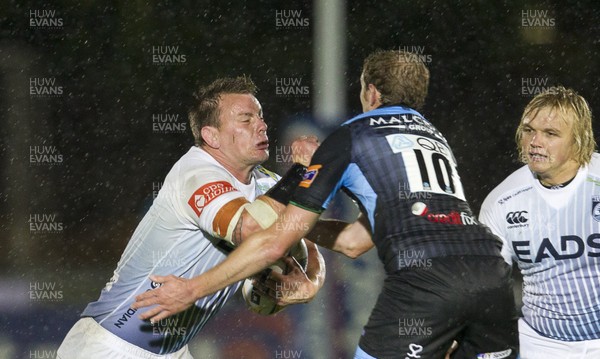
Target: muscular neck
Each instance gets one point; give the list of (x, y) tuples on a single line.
[(560, 179), (555, 185), (241, 172)]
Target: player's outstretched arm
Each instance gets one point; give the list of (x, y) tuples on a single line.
[(256, 253), (234, 222), (350, 239)]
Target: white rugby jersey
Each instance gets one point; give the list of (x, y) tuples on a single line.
[(554, 236), (179, 236)]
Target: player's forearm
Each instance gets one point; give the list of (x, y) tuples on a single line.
[(257, 219), (326, 232), (352, 240), (249, 258), (257, 252)]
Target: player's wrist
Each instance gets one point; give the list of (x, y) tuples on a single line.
[(195, 288), (284, 189)]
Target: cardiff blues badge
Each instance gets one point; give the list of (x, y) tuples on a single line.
[(596, 208)]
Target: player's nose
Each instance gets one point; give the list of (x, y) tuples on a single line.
[(262, 125), (535, 140)]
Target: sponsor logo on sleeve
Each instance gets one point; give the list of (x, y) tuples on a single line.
[(495, 355), (310, 175), (207, 193)]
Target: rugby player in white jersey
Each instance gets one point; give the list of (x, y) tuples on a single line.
[(205, 206), (548, 215)]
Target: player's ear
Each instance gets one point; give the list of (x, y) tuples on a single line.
[(210, 135), (373, 96)]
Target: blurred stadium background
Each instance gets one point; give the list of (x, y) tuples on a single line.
[(94, 100)]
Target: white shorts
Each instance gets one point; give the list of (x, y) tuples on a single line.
[(88, 340), (361, 354), (535, 346)]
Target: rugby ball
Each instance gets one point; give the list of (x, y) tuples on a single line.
[(263, 304)]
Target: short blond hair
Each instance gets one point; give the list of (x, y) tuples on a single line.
[(572, 107)]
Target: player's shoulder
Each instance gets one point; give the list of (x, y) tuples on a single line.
[(516, 183), (382, 115), (199, 166), (594, 165), (265, 178)]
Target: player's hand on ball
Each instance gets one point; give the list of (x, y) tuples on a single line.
[(173, 296), (262, 293), (303, 149), (294, 287)]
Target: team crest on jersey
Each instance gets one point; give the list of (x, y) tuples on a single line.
[(398, 142), (207, 193), (596, 208), (310, 175)]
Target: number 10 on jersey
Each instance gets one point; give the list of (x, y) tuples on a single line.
[(430, 165)]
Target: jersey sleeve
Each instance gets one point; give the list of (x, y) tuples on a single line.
[(211, 201), (325, 174), (491, 215)]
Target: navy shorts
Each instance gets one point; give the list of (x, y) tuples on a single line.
[(422, 309)]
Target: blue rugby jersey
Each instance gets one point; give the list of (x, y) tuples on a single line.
[(403, 174), (554, 237)]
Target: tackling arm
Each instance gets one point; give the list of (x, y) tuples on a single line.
[(257, 252), (254, 254), (350, 239)]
